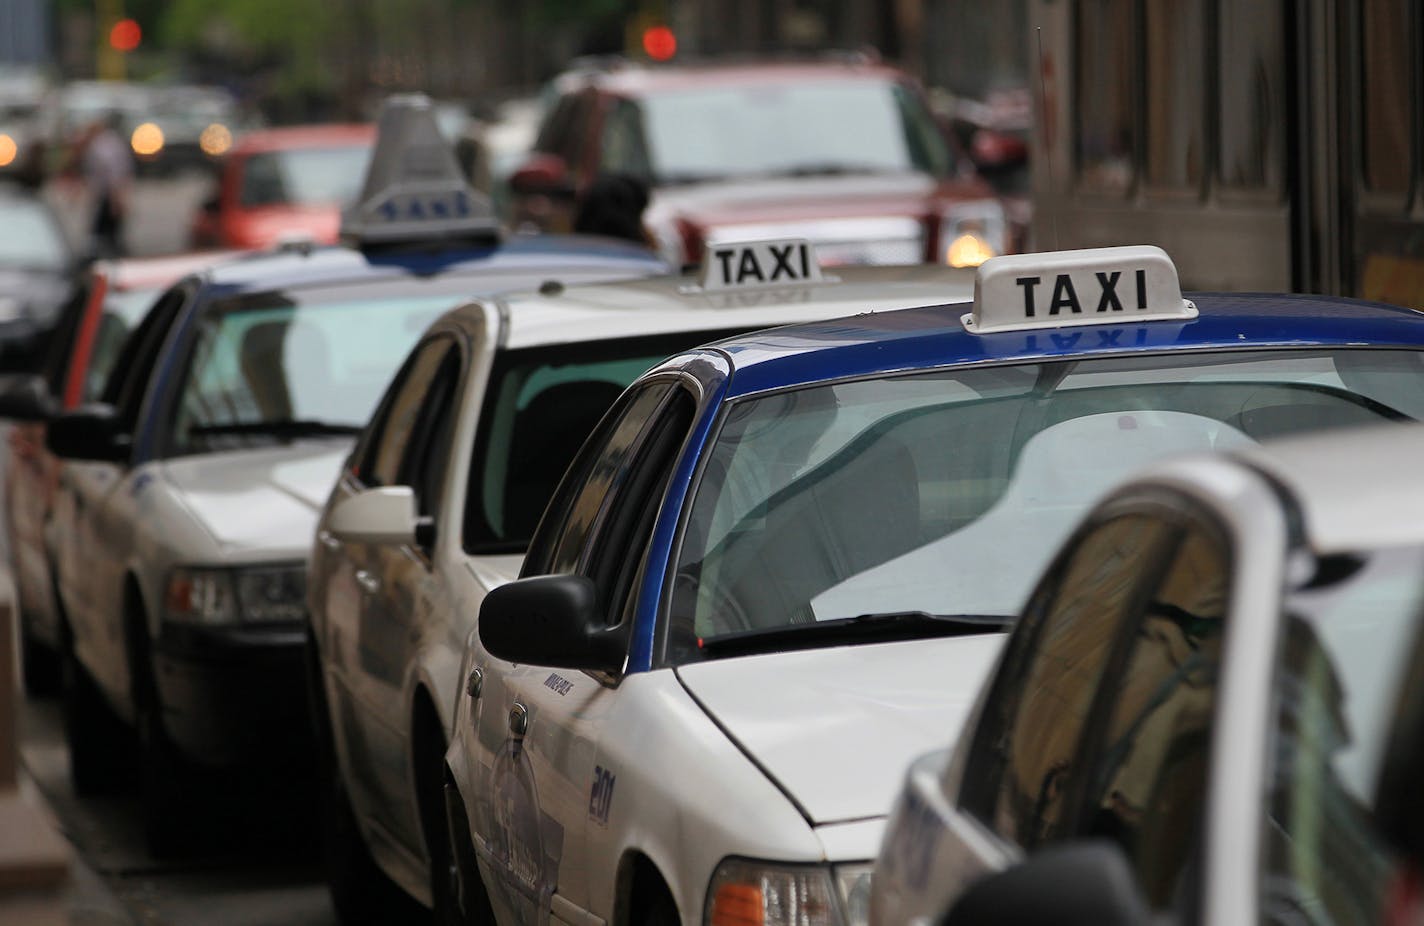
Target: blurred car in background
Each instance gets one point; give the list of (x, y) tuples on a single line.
[(492, 148), (104, 308), (24, 94), (37, 265), (844, 152), (187, 126), (284, 183)]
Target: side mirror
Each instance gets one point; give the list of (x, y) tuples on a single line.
[(26, 397), (89, 432), (385, 515), (551, 621), (1088, 883), (542, 175)]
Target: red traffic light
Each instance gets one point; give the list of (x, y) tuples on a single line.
[(125, 35), (659, 42)]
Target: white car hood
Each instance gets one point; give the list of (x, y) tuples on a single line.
[(268, 498), (836, 728)]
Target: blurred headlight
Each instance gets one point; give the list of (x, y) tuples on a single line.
[(751, 893), (215, 140), (11, 309), (146, 140), (257, 595), (9, 150), (973, 232)]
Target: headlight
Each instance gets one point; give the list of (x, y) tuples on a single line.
[(146, 140), (971, 233), (9, 150), (258, 595), (751, 893)]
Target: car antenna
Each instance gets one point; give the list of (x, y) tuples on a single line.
[(1042, 128)]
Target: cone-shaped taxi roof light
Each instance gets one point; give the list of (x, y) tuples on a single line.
[(414, 190)]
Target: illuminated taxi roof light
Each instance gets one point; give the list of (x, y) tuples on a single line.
[(414, 190), (146, 140), (968, 251), (736, 265), (8, 150), (215, 140), (1096, 286)]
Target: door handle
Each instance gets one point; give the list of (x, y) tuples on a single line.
[(327, 540), (370, 582), (475, 683), (518, 719)]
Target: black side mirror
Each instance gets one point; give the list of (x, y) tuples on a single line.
[(1087, 883), (26, 397), (551, 621), (89, 432)]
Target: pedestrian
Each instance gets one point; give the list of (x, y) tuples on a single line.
[(107, 167)]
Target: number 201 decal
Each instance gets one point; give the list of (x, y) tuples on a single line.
[(600, 800)]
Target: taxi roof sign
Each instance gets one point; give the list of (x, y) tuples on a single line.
[(1094, 286), (736, 265), (414, 190)]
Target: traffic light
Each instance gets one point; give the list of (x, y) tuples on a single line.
[(125, 35), (659, 43)]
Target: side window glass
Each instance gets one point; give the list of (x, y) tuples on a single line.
[(399, 414), (623, 148), (429, 449), (125, 387), (1147, 785), (596, 473), (1027, 740), (109, 338)]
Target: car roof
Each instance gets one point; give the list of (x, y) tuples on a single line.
[(295, 267), (887, 342), (651, 80), (676, 303), (1354, 492), (303, 136), (156, 272)]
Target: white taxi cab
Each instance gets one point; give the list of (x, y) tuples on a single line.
[(437, 503), (778, 570), (1189, 721)]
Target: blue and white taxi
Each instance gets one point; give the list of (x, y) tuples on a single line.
[(1189, 720), (190, 491), (443, 491), (779, 570)]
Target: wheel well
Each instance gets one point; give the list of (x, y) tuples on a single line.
[(640, 886), (427, 756)]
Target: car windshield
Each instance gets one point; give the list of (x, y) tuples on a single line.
[(304, 176), (1339, 671), (945, 493), (540, 405), (30, 237), (268, 368), (782, 129)]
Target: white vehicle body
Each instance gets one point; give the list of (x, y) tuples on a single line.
[(1286, 511), (390, 616)]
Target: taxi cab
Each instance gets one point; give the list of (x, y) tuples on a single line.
[(190, 490), (1190, 718), (842, 151), (780, 567), (438, 501)]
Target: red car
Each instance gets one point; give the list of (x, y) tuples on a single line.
[(844, 152), (115, 297), (285, 183)]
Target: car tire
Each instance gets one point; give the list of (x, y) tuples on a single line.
[(99, 744), (170, 818), (40, 665)]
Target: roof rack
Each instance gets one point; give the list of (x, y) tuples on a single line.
[(414, 191)]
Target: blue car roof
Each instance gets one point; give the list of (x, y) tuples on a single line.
[(934, 336), (339, 263)]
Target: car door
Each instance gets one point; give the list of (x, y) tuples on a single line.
[(96, 502), (384, 585), (540, 785)]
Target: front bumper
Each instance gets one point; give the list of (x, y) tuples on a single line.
[(235, 696)]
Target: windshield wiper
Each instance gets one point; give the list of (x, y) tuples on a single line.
[(865, 628), (284, 428), (827, 169)]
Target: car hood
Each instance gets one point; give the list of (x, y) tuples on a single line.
[(31, 293), (836, 728), (265, 499)]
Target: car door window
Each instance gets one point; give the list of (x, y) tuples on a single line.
[(428, 448), (624, 150), (125, 388), (382, 458), (601, 466), (1028, 738), (1149, 742)]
